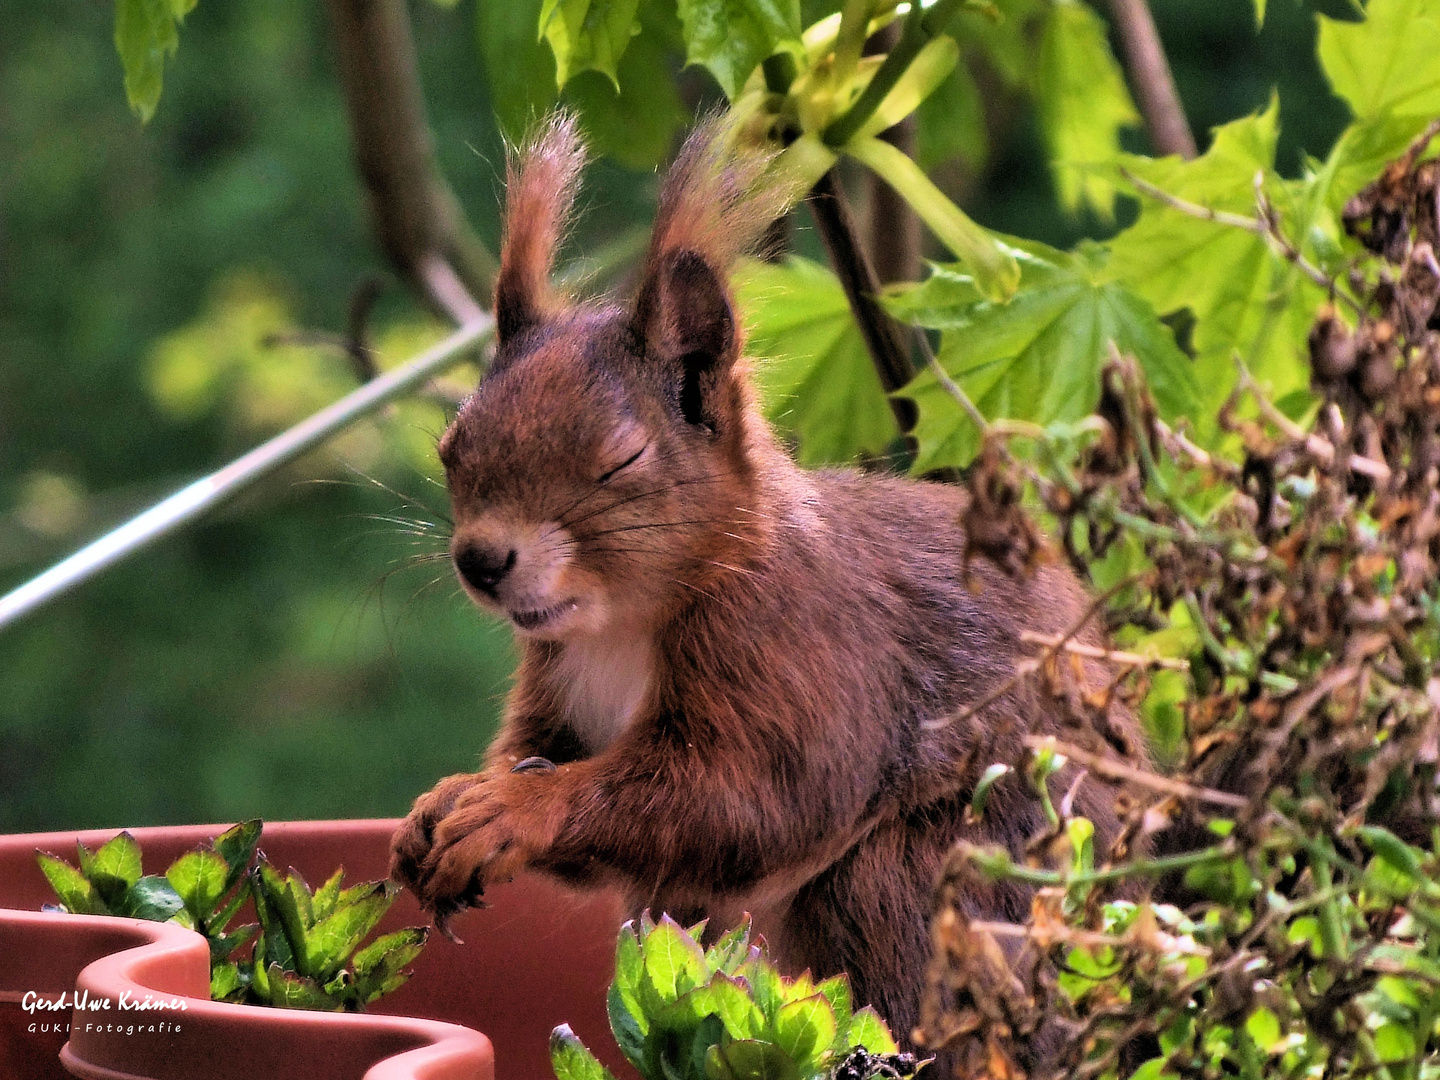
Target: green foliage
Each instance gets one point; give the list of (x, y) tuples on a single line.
[(306, 950), (1083, 105), (731, 38), (147, 32), (1038, 357), (588, 34), (682, 1012), (814, 373)]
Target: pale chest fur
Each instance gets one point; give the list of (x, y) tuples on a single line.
[(601, 684)]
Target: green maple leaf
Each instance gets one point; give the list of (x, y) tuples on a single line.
[(588, 34), (732, 37), (1386, 64), (814, 373), (1245, 299), (1384, 68), (1038, 357), (1083, 104)]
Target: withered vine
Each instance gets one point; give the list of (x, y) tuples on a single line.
[(1272, 908)]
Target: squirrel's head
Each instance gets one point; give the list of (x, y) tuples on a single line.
[(603, 467)]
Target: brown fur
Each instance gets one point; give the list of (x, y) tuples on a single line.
[(736, 697)]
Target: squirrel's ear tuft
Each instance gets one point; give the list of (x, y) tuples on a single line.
[(713, 209), (540, 181)]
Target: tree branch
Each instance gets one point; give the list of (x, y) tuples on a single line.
[(417, 218), (1150, 78), (884, 338)]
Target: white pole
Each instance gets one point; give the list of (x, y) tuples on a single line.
[(190, 502)]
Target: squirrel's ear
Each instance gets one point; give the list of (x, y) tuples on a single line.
[(540, 182), (684, 316)]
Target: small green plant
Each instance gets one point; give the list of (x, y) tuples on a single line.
[(682, 1012), (303, 949)]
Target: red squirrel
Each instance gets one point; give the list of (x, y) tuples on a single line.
[(728, 663)]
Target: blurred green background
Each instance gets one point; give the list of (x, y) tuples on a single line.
[(281, 659)]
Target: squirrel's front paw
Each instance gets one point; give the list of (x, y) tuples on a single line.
[(466, 837), (414, 839)]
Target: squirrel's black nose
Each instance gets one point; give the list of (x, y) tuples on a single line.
[(484, 568)]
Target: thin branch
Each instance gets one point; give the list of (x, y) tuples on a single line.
[(1316, 445), (883, 336), (1118, 770), (1088, 938), (1265, 225), (417, 216), (1114, 656), (1150, 78)]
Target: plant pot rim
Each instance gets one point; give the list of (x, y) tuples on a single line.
[(169, 962)]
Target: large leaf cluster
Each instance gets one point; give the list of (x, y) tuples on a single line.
[(682, 1012), (305, 950)]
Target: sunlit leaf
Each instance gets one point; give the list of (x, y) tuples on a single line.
[(733, 37), (1038, 357), (1245, 298), (147, 33), (571, 1060), (814, 373), (588, 34), (1083, 105), (199, 879)]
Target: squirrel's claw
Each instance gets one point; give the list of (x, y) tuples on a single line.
[(534, 764)]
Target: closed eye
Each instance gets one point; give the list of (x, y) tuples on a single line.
[(606, 477)]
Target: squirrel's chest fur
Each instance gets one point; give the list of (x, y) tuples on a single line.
[(600, 684)]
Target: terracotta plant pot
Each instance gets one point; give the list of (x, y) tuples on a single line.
[(485, 1009)]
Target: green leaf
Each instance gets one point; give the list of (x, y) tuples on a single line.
[(837, 992), (113, 868), (994, 268), (519, 68), (273, 946), (636, 125), (330, 941), (152, 898), (731, 950), (950, 123), (1038, 357), (1244, 297), (74, 891), (625, 989), (805, 1029), (146, 33), (588, 34), (674, 961), (325, 898), (223, 945), (813, 371), (571, 1060), (1083, 105), (869, 1031), (1400, 855), (722, 997), (754, 1059), (394, 950), (287, 990), (930, 68), (766, 988), (1385, 64), (198, 877), (626, 1020), (1394, 1043), (733, 37), (236, 846), (224, 981), (119, 858), (378, 966)]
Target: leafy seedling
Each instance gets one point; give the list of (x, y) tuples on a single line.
[(682, 1012)]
